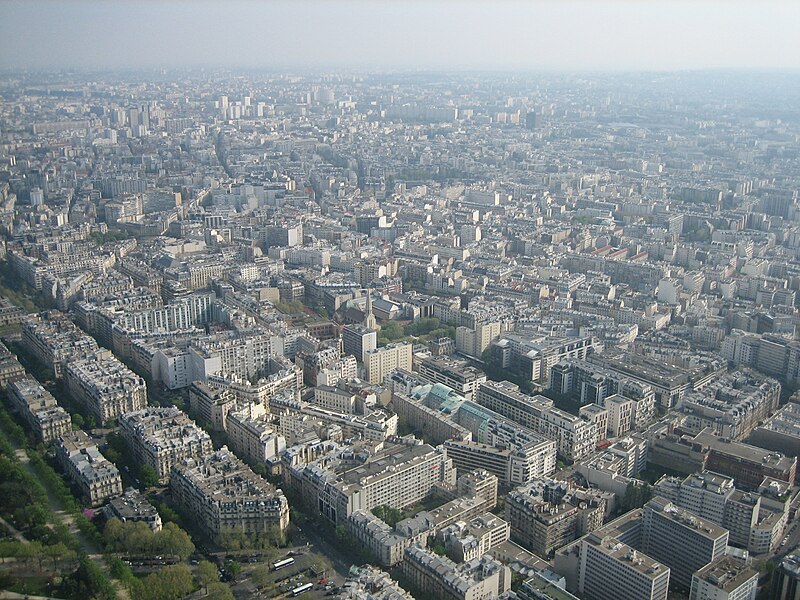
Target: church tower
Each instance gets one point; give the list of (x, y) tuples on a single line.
[(369, 318)]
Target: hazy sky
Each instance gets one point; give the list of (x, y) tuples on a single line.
[(390, 34)]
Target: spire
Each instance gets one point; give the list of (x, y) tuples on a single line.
[(369, 318)]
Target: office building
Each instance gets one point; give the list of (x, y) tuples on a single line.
[(727, 578), (680, 539), (463, 379), (785, 583), (575, 436)]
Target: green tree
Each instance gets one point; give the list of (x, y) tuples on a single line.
[(87, 581), (148, 476), (261, 577), (636, 495), (30, 516), (170, 583), (77, 421), (234, 567), (206, 573), (174, 540), (219, 591), (391, 330)]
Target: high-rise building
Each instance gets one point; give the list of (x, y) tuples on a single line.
[(728, 578), (358, 340), (680, 539), (786, 579), (381, 361)]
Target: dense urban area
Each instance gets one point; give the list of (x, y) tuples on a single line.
[(395, 336)]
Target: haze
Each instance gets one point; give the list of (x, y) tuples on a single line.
[(537, 35)]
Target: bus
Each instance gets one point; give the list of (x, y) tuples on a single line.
[(283, 563), (303, 588)]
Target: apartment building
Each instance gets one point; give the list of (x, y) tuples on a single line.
[(400, 475), (97, 479), (163, 437), (382, 361), (546, 514), (243, 354), (250, 435), (39, 409), (105, 386), (224, 496), (211, 404), (442, 578), (358, 340), (134, 508), (575, 436), (468, 540), (54, 341), (10, 368)]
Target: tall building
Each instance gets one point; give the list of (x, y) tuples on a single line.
[(786, 579), (39, 409), (575, 436), (97, 478), (105, 387), (612, 570), (547, 514), (441, 578), (680, 539), (359, 340), (382, 361), (728, 578), (463, 379)]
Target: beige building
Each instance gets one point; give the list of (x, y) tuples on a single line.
[(547, 514), (224, 496), (39, 409), (399, 475), (133, 507), (478, 579), (10, 368), (468, 540), (162, 438), (211, 404), (251, 436), (621, 413), (54, 340), (105, 387), (381, 361), (96, 477), (473, 342), (336, 399)]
